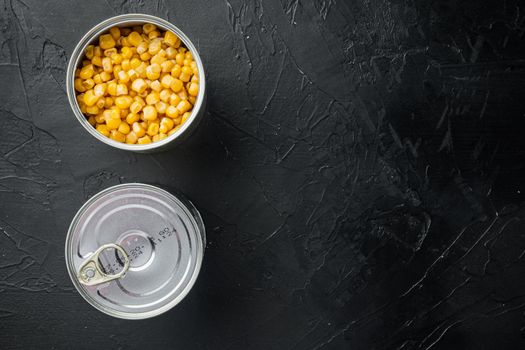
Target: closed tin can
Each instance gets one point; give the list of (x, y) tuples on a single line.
[(125, 21), (134, 251)]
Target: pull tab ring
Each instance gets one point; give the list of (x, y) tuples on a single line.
[(91, 273)]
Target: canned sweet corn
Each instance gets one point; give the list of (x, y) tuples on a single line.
[(134, 251), (147, 73)]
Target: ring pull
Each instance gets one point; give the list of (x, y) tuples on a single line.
[(92, 273)]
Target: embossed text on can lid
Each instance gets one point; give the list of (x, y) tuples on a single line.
[(141, 246)]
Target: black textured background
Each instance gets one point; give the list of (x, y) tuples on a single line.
[(359, 171)]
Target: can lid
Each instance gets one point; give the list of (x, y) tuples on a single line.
[(134, 250)]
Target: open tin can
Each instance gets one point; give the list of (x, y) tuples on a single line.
[(127, 20), (134, 251)]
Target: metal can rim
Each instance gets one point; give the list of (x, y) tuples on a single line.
[(192, 213), (78, 53)]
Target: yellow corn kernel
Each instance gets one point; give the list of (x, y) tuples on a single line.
[(193, 90), (153, 71), (132, 118), (148, 27), (134, 38), (78, 85), (131, 138), (186, 70), (183, 95), (183, 106), (100, 103), (174, 99), (105, 76), (122, 89), (185, 117), (179, 58), (100, 89), (113, 123), (194, 79), (126, 52), (166, 81), (103, 129), (155, 85), (135, 107), (108, 102), (124, 41), (153, 34), (89, 51), (123, 77), (165, 95), (133, 75), (97, 79), (186, 63), (176, 85), (144, 125), (192, 100), (150, 113), (112, 88), (140, 100), (106, 41), (83, 108), (92, 121), (134, 62), (116, 58), (177, 120), (87, 71), (110, 52), (117, 68), (171, 53), (166, 124), (92, 110), (97, 61), (158, 59), (188, 55), (124, 128), (145, 56), (89, 98), (126, 66), (139, 85), (171, 39), (77, 72), (161, 107), (107, 65), (80, 98), (167, 66), (153, 129), (152, 98), (123, 102), (142, 48), (117, 136), (97, 51), (100, 119), (144, 140), (115, 32), (184, 77), (141, 70), (154, 46), (174, 130), (172, 111), (176, 70), (138, 129)]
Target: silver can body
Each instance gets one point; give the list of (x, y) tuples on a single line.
[(130, 20), (160, 240)]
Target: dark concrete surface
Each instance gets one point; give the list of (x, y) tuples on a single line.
[(360, 172)]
